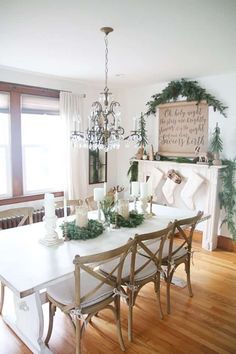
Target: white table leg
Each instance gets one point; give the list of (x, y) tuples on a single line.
[(26, 320)]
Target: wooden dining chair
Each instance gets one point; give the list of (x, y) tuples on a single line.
[(88, 292), (20, 216), (92, 205), (142, 267), (71, 203), (179, 252)]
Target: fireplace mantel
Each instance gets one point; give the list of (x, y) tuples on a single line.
[(205, 199)]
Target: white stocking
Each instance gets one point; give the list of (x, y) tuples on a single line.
[(153, 181), (168, 190), (193, 184)]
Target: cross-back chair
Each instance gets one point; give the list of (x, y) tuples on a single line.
[(141, 267), (72, 203), (89, 292), (21, 215), (180, 252)]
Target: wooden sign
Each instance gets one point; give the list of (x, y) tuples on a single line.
[(182, 127)]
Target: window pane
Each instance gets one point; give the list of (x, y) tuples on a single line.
[(42, 137), (5, 163), (5, 187)]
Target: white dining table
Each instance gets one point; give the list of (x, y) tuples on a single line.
[(27, 267)]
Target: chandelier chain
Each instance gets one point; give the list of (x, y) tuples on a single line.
[(106, 61)]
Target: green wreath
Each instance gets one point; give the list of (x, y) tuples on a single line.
[(134, 219), (74, 232)]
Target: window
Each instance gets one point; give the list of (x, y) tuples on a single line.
[(5, 166), (31, 149)]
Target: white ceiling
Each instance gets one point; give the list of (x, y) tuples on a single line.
[(153, 40)]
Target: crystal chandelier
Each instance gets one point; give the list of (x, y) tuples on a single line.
[(104, 131)]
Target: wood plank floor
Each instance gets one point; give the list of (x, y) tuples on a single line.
[(205, 323)]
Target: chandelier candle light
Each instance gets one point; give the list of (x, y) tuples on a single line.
[(51, 238)]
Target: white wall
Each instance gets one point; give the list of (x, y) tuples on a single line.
[(92, 92), (133, 101)]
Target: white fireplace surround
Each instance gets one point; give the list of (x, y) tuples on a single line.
[(205, 198)]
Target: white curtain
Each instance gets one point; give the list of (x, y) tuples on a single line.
[(75, 159)]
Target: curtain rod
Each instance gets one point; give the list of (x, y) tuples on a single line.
[(82, 95)]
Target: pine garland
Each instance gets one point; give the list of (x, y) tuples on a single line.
[(228, 195), (189, 89), (134, 219), (74, 232)]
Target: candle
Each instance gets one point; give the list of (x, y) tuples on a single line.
[(135, 189), (134, 123), (123, 208), (105, 188), (81, 216), (143, 190), (49, 205), (98, 194)]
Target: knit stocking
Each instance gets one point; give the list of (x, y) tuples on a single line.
[(173, 179), (153, 181), (193, 184)]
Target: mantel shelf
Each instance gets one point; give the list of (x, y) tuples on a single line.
[(195, 165)]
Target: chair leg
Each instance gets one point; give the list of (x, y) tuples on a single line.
[(157, 286), (52, 310), (78, 336), (168, 284), (2, 295), (187, 270), (118, 324), (130, 321)]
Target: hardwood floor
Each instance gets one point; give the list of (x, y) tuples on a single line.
[(205, 323)]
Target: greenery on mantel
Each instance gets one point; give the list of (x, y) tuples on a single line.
[(133, 171), (228, 195), (189, 89)]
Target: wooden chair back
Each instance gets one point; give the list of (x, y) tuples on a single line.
[(90, 265), (72, 203), (153, 254), (185, 229), (92, 205), (25, 213)]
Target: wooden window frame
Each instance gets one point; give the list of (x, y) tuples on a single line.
[(15, 91)]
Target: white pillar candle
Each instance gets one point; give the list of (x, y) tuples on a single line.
[(49, 205), (143, 190), (123, 208), (105, 188), (135, 189), (98, 194), (81, 216)]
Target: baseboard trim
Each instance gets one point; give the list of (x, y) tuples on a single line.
[(226, 244)]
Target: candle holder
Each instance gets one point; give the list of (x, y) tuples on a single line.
[(144, 205), (135, 198), (99, 210), (51, 238), (65, 231), (151, 212)]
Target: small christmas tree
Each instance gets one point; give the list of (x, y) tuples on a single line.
[(143, 132), (216, 141), (216, 145)]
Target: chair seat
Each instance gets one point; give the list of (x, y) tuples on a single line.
[(64, 292), (148, 271)]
